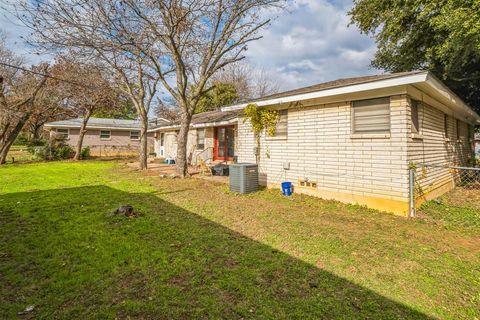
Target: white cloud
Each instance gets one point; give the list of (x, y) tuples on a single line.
[(312, 43), (309, 43)]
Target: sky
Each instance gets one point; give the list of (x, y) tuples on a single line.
[(309, 43)]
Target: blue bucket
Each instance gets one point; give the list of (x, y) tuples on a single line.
[(287, 189)]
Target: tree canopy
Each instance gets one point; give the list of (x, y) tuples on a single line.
[(442, 36)]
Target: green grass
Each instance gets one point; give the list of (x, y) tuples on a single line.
[(458, 208), (199, 251)]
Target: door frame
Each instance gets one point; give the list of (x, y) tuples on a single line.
[(225, 148)]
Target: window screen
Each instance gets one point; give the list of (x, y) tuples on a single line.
[(371, 116), (134, 135), (62, 133), (445, 125), (281, 129), (414, 115), (200, 138), (104, 134), (462, 130)]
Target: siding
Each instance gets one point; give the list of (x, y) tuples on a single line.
[(320, 147)]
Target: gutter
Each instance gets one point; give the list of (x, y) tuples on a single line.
[(448, 94)]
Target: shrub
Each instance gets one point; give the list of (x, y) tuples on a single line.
[(53, 149), (33, 144), (21, 140), (63, 152), (85, 153), (39, 153)]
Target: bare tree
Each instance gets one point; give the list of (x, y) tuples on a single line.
[(166, 109), (251, 82), (200, 37), (180, 43), (85, 89), (106, 32), (51, 105), (18, 90), (17, 104)]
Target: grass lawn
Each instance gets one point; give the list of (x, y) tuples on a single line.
[(460, 207), (199, 251)]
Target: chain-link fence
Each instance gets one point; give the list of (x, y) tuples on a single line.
[(430, 181), (113, 150)]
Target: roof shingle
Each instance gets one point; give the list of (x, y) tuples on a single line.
[(99, 123)]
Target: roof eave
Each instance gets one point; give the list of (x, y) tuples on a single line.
[(90, 127), (198, 125), (454, 101), (379, 84)]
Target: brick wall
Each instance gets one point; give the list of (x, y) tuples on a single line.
[(119, 142), (320, 147), (434, 147)]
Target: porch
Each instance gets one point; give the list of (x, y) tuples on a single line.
[(206, 145)]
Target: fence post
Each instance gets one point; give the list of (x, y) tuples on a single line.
[(411, 180)]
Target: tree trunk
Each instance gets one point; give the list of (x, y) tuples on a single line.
[(83, 130), (142, 158), (36, 130), (182, 139), (9, 139)]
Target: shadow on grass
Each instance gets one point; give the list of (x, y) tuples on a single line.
[(65, 253)]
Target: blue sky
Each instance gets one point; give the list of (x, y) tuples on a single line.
[(308, 44)]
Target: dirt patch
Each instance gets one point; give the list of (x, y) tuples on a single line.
[(131, 286)]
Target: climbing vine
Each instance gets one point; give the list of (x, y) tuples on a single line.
[(261, 119)]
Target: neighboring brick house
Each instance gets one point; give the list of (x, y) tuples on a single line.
[(104, 137), (353, 139)]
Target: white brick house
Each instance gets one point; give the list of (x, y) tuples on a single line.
[(353, 139)]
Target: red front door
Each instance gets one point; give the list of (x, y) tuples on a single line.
[(224, 143)]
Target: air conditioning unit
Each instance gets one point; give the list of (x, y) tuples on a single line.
[(243, 177)]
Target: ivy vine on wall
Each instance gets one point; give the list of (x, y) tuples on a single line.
[(261, 120)]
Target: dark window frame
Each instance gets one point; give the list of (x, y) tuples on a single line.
[(138, 134), (415, 116), (445, 126), (109, 134), (64, 135)]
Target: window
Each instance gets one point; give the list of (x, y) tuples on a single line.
[(459, 129), (445, 125), (414, 116), (371, 116), (134, 135), (105, 135), (63, 133), (281, 129), (201, 139)]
